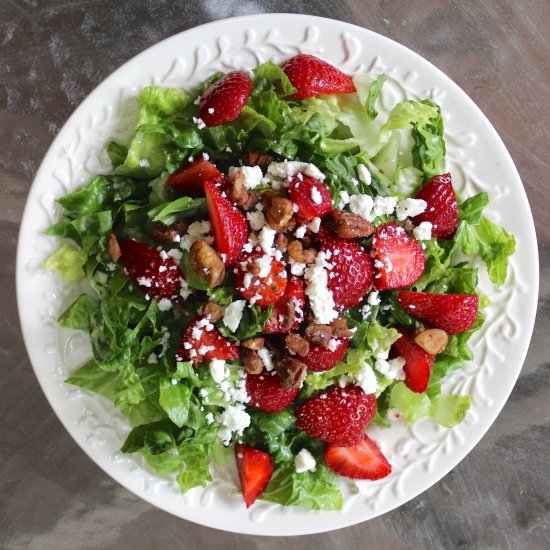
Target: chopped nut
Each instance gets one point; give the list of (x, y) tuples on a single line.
[(114, 248), (206, 263), (350, 226), (319, 335), (213, 311), (166, 235), (279, 212), (255, 158), (281, 242), (254, 343), (297, 344), (240, 195), (340, 328), (291, 371), (251, 361), (432, 340), (298, 254)]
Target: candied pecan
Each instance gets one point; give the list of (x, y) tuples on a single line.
[(254, 343), (167, 235), (297, 344), (432, 340), (213, 311), (349, 226), (251, 361), (340, 328), (239, 194), (281, 242), (114, 248), (279, 213), (289, 316), (206, 263), (255, 158), (319, 335), (291, 371), (298, 254)]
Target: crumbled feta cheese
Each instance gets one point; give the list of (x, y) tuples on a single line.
[(233, 420), (267, 360), (361, 205), (266, 238), (252, 175), (392, 369), (364, 174), (366, 378), (217, 370), (199, 122), (344, 199), (185, 290), (164, 304), (365, 311), (210, 110), (304, 461), (291, 168), (423, 232), (233, 314), (300, 233), (332, 344), (256, 220), (320, 297), (410, 208), (297, 268), (175, 254), (314, 225), (316, 196), (373, 298), (197, 231), (264, 263), (209, 417), (384, 206), (144, 281)]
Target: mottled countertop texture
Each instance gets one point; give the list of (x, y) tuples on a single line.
[(52, 55)]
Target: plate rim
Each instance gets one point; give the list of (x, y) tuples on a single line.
[(311, 19)]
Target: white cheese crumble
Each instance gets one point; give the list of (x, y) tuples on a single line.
[(291, 168), (332, 344), (364, 174), (304, 461), (185, 290), (266, 238), (199, 122), (300, 233), (256, 220), (361, 205), (384, 206), (233, 420), (409, 208), (175, 254), (366, 379), (164, 304), (297, 268), (252, 175), (392, 369), (314, 225), (217, 370), (316, 196), (320, 297), (264, 263), (197, 231), (267, 360), (144, 281), (233, 314), (373, 298), (423, 232)]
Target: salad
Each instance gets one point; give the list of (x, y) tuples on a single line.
[(273, 266)]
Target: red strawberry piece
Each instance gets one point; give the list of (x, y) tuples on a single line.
[(418, 363), (189, 179), (312, 76), (225, 99), (202, 341), (442, 208), (288, 312), (398, 260), (320, 359), (453, 313), (154, 272), (337, 416), (364, 460), (311, 196), (267, 394), (255, 470), (260, 278), (228, 224), (350, 278)]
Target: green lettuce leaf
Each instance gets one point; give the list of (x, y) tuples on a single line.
[(78, 314), (174, 399), (196, 472), (183, 207), (450, 410), (374, 92), (68, 260)]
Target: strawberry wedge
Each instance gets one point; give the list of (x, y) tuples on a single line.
[(255, 470), (189, 179)]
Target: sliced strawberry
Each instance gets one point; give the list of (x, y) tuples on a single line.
[(225, 99), (267, 394), (312, 76), (202, 341), (255, 470), (350, 277), (364, 460), (228, 224), (442, 208), (189, 179), (337, 416), (418, 363), (311, 196), (320, 359), (288, 312), (261, 279), (155, 273), (453, 313), (398, 260)]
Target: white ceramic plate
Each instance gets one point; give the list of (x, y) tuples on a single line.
[(478, 160)]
